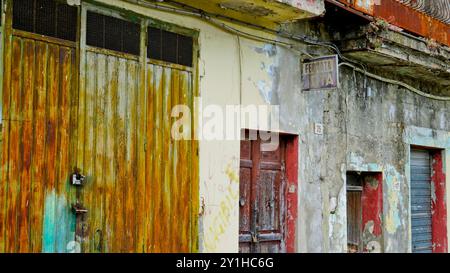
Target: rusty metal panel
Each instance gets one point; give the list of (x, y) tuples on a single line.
[(424, 18), (39, 99), (439, 9), (414, 21), (139, 180)]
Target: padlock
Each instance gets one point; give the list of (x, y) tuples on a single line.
[(77, 179)]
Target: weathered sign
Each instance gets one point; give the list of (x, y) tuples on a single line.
[(320, 73)]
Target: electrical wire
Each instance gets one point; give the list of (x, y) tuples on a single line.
[(190, 11), (240, 68), (259, 38), (402, 84)]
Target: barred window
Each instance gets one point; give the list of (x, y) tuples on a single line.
[(112, 33), (46, 17), (170, 47)]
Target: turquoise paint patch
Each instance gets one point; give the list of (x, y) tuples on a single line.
[(357, 163), (427, 137), (48, 236), (65, 226), (59, 224)]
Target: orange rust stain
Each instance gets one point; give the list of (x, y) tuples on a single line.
[(139, 178), (413, 21), (37, 86), (406, 18), (112, 120)]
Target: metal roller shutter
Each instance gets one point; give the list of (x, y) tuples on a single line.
[(421, 201)]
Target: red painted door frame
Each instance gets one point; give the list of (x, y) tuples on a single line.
[(372, 212), (292, 193), (438, 203)]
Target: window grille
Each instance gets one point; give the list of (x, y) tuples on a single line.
[(112, 33), (170, 47), (46, 17)]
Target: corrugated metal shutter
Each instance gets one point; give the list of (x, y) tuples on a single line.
[(421, 201)]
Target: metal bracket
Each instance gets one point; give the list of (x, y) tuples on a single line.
[(79, 209)]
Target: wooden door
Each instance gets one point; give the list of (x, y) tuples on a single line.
[(354, 221), (263, 206)]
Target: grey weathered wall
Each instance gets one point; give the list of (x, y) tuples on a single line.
[(363, 131)]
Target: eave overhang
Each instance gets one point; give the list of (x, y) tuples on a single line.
[(267, 13), (398, 53)]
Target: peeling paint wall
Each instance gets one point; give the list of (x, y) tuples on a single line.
[(376, 132), (313, 6)]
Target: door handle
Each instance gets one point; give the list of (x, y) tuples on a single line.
[(79, 209)]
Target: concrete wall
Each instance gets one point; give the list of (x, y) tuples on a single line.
[(380, 130), (361, 133)]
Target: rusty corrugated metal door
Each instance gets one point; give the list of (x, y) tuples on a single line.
[(171, 176), (39, 111), (138, 191), (105, 113), (141, 184)]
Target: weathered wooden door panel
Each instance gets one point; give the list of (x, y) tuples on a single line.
[(262, 198), (270, 201), (245, 203), (39, 104), (354, 221)]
